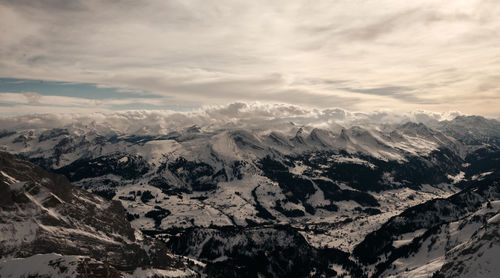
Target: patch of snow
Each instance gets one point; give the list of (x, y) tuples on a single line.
[(153, 272), (351, 160), (10, 179), (123, 159), (299, 169), (457, 178), (423, 271), (481, 176)]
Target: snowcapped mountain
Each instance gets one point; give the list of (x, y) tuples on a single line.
[(473, 130), (452, 237), (331, 195), (236, 168), (42, 214)]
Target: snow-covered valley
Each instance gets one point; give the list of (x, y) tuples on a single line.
[(226, 196)]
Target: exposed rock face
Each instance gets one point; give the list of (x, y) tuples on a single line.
[(288, 201), (452, 233), (41, 213)]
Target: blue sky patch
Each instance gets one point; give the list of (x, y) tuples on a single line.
[(54, 88)]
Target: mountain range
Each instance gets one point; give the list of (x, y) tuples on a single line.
[(281, 199)]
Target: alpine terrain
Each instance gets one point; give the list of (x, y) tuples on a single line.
[(154, 195)]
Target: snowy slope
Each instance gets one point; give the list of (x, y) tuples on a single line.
[(42, 213), (332, 182), (201, 176), (55, 265), (452, 237)]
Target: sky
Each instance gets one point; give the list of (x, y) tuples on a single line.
[(386, 55)]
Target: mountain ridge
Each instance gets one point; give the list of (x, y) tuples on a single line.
[(42, 213), (332, 188)]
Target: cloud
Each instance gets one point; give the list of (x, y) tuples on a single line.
[(31, 102), (254, 115), (396, 92), (358, 55), (31, 97)]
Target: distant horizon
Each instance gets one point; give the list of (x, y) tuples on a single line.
[(31, 105), (262, 117)]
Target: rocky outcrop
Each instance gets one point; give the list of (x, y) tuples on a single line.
[(43, 213)]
